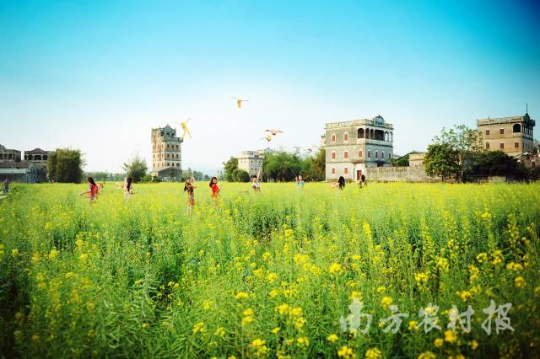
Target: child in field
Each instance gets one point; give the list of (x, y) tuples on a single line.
[(215, 188), (300, 183), (93, 190), (189, 189), (255, 182), (128, 188), (6, 186), (341, 182)]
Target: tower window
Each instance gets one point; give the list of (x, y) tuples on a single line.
[(487, 132), (501, 145)]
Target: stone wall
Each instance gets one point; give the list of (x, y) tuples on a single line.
[(398, 174)]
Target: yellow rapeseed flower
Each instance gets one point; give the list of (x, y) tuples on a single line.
[(438, 342), (345, 352), (386, 301), (450, 336), (332, 338), (520, 282), (241, 295), (335, 268), (373, 353), (427, 355)]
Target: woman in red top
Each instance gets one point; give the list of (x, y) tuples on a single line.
[(93, 190), (215, 188)]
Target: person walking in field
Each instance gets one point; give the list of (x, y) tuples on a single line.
[(341, 182), (364, 182), (189, 188), (300, 183), (255, 182), (6, 186), (128, 188), (93, 190), (215, 190)]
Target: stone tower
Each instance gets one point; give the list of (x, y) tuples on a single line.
[(166, 154)]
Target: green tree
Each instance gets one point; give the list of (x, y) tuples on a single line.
[(281, 166), (65, 165), (496, 163), (402, 161), (314, 168), (442, 161), (230, 166), (464, 141), (240, 176), (136, 168)]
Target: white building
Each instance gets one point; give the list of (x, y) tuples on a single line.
[(252, 161), (353, 146)]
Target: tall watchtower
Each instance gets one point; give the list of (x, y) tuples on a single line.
[(166, 153)]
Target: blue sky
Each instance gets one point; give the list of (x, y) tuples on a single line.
[(98, 75)]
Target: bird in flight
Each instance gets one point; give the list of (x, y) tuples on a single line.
[(267, 138), (183, 126), (239, 102), (274, 132)]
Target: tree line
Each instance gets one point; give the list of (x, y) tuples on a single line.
[(281, 166)]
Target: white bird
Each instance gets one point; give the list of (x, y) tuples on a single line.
[(239, 102)]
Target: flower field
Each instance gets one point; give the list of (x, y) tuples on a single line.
[(282, 273)]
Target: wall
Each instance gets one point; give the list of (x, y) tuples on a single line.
[(399, 174)]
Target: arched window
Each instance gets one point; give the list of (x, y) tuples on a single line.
[(346, 137), (346, 170), (360, 153), (382, 154), (487, 145), (346, 154), (44, 157), (501, 145), (516, 144), (516, 128), (368, 153), (333, 171), (389, 155), (487, 132), (333, 138), (360, 133), (377, 154), (333, 155)]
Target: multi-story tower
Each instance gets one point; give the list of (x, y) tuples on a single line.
[(353, 146), (512, 135), (166, 153)]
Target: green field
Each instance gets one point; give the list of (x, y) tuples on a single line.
[(269, 275)]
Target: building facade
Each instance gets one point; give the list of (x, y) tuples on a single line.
[(512, 135), (166, 154), (9, 154), (22, 172), (251, 161), (39, 158), (354, 146)]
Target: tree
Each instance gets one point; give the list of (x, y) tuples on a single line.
[(240, 176), (230, 166), (402, 161), (314, 168), (281, 166), (136, 168), (65, 165), (497, 163), (442, 161), (464, 141)]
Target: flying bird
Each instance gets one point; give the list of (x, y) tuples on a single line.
[(239, 102), (183, 126), (267, 138), (274, 132)]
